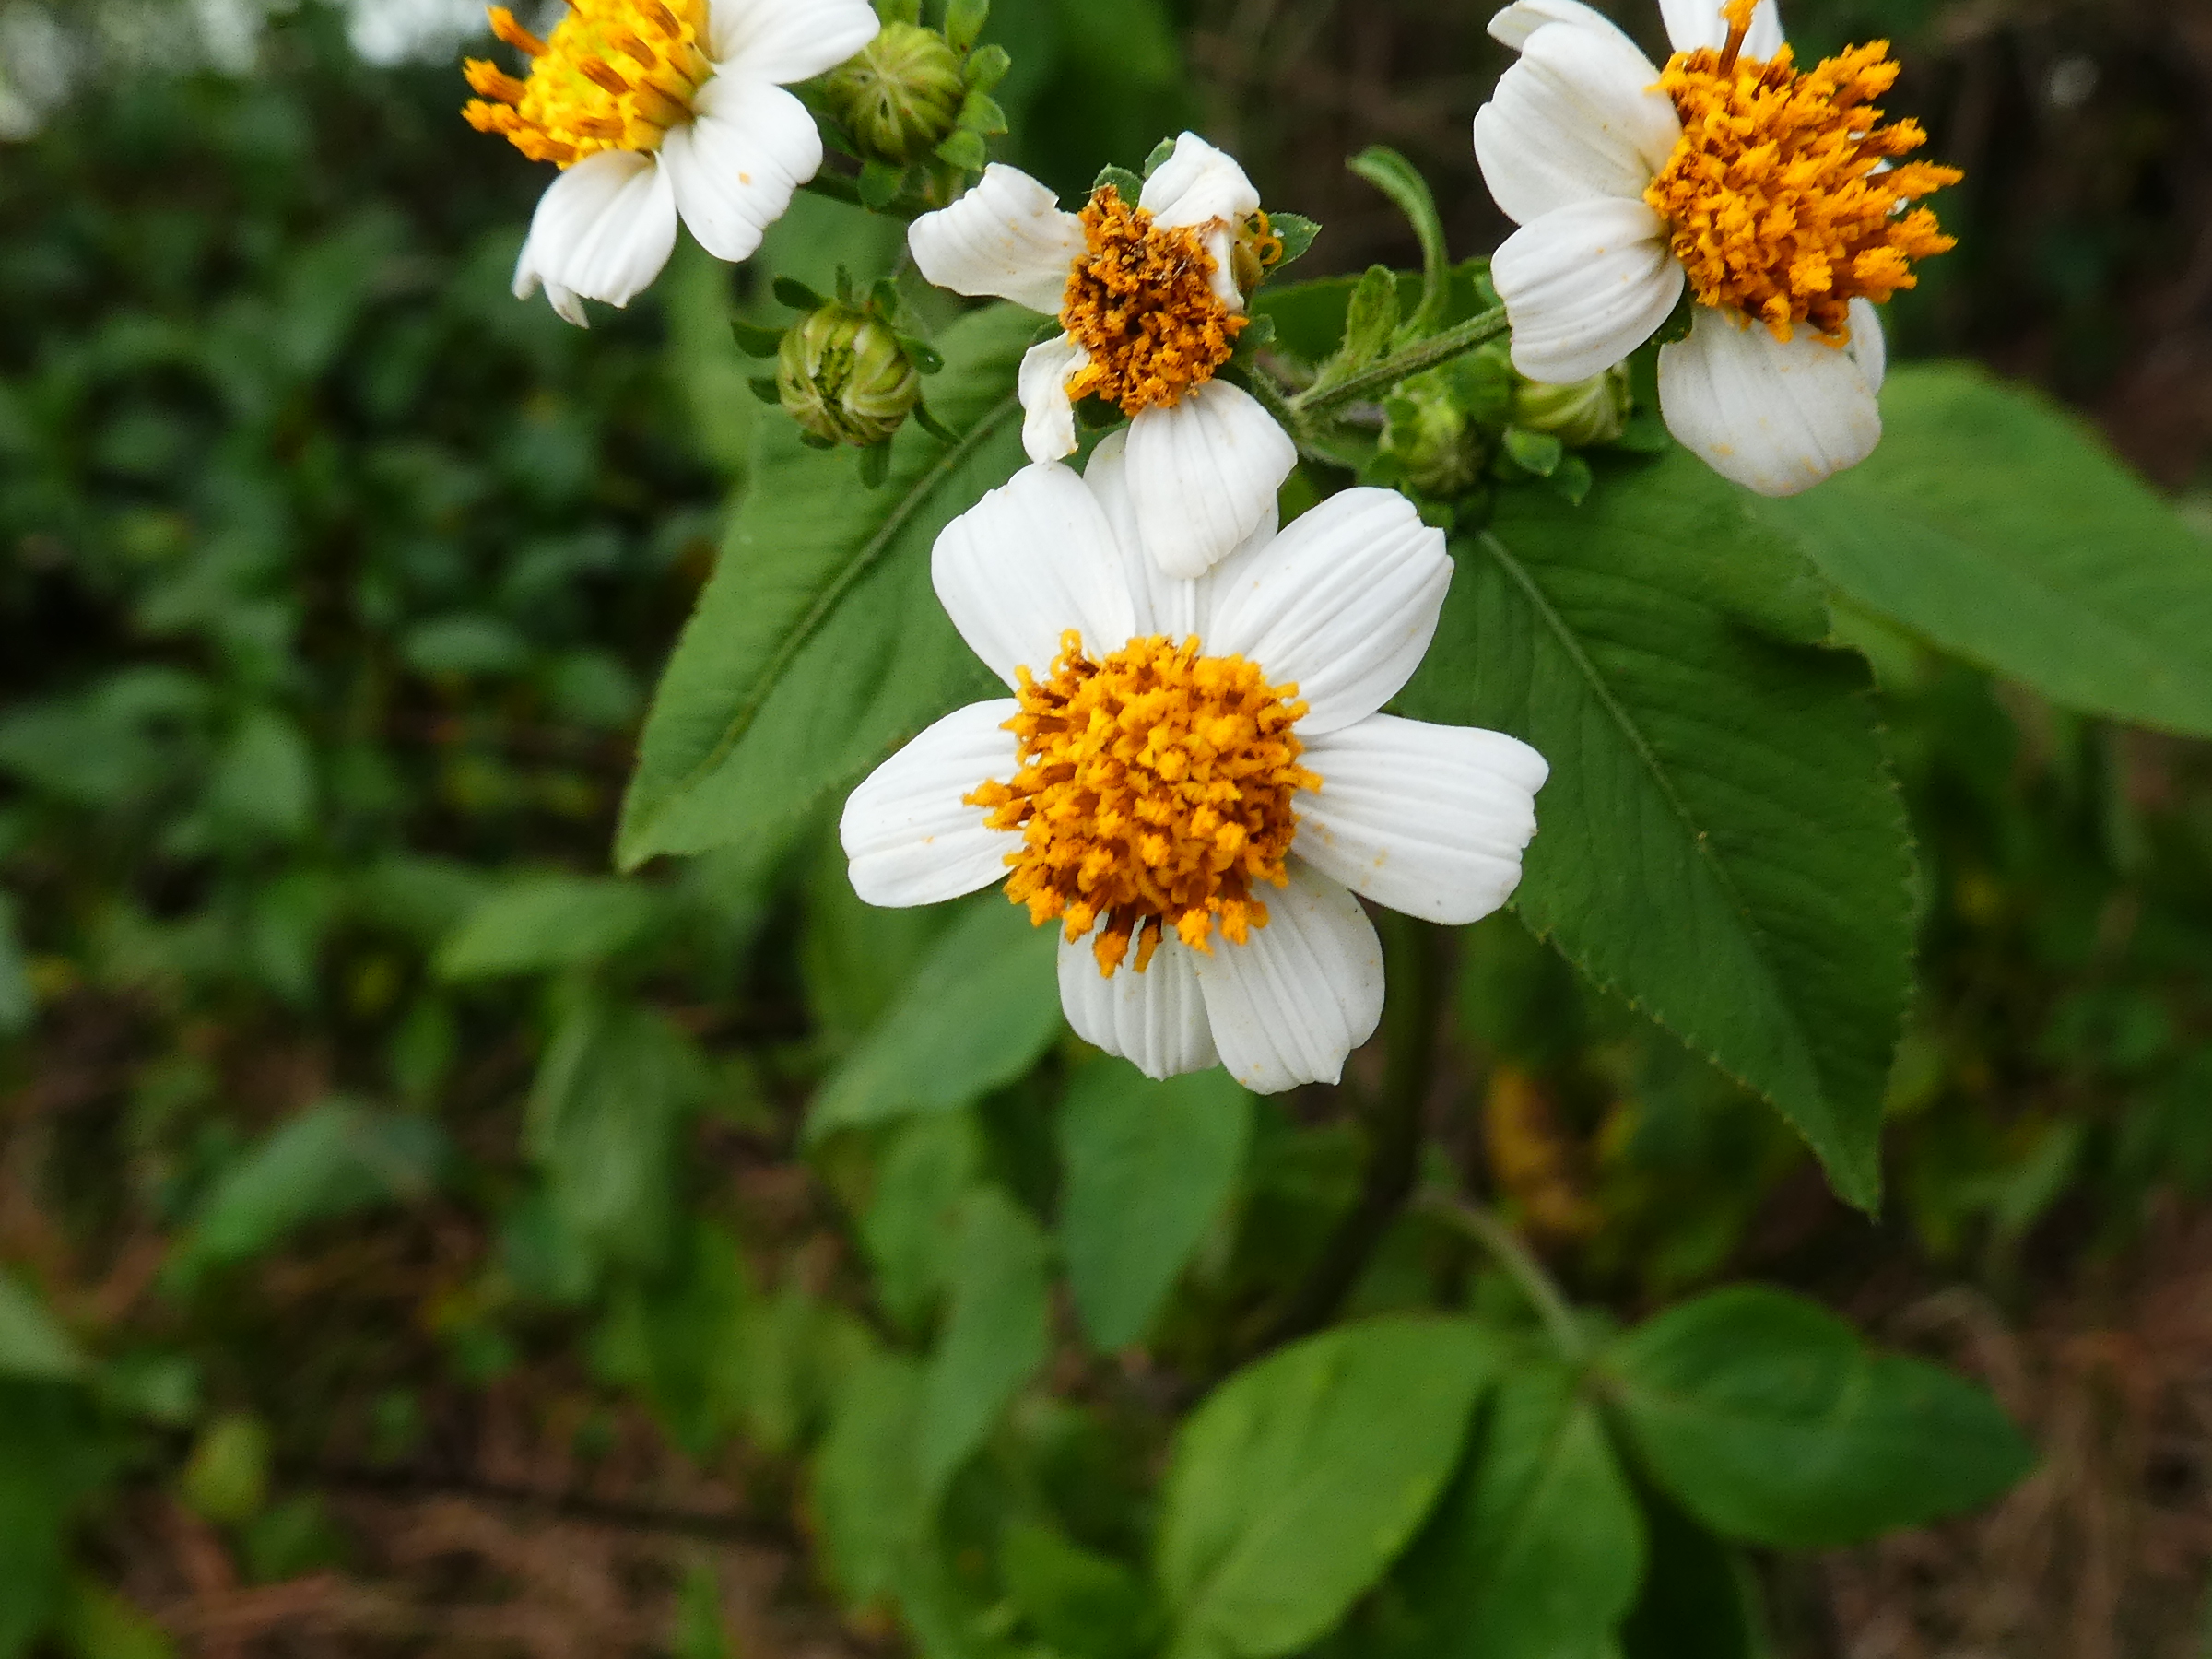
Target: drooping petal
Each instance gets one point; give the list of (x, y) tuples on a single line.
[(1344, 602), (1199, 185), (1156, 1020), (733, 167), (785, 41), (1580, 117), (1031, 559), (1517, 22), (1302, 993), (1006, 239), (1203, 472), (601, 230), (1869, 347), (1428, 819), (1585, 286), (909, 839), (1048, 413), (1694, 23), (1774, 417)]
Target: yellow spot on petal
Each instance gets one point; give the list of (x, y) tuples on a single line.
[(614, 75)]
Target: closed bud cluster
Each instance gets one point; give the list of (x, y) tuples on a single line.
[(843, 376), (1434, 437), (1579, 415), (899, 97)]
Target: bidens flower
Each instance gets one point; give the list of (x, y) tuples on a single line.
[(1150, 307), (1770, 191), (656, 110), (1192, 778)]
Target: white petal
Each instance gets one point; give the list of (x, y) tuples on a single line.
[(1199, 185), (1869, 347), (1006, 238), (788, 41), (603, 230), (1694, 23), (1775, 418), (1517, 22), (1048, 415), (1585, 286), (1344, 602), (734, 169), (1031, 559), (1428, 819), (1161, 603), (1203, 472), (909, 839), (1156, 1020), (1304, 991), (1580, 116)]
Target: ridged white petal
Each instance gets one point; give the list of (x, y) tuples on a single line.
[(1199, 185), (1427, 820), (1048, 413), (1302, 993), (1869, 347), (1203, 472), (1694, 23), (909, 839), (1578, 118), (734, 166), (1344, 602), (1161, 603), (601, 230), (1585, 286), (1031, 559), (1774, 417), (786, 41), (1517, 22), (1156, 1020), (1006, 239)]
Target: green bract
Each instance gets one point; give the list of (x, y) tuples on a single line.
[(843, 376), (901, 96)]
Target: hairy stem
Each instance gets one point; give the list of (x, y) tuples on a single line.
[(1520, 1265), (1401, 365)]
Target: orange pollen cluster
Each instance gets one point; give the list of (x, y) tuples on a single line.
[(1154, 791), (616, 75), (1141, 301), (1777, 195)]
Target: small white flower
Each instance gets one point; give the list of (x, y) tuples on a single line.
[(657, 109), (1768, 191), (1193, 778), (1148, 297)]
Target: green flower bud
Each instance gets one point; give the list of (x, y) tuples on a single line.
[(1433, 437), (843, 376), (900, 95), (1587, 412)]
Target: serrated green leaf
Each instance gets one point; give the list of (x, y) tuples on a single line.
[(1720, 842), (548, 921), (1399, 180), (1370, 321), (2001, 529), (1147, 1169), (996, 1334), (33, 1345), (1768, 1419), (1298, 1481), (818, 647)]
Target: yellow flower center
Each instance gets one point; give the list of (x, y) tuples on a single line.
[(616, 75), (1140, 301), (1154, 791), (1777, 198)]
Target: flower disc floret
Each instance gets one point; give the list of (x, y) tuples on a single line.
[(1140, 301), (1778, 199), (614, 75), (1154, 790)]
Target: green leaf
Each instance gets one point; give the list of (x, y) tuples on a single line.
[(97, 1623), (700, 1631), (1538, 1550), (331, 1160), (1369, 323), (19, 1002), (1720, 842), (1296, 232), (1084, 1604), (33, 1346), (996, 1337), (1148, 1167), (1771, 1422), (549, 921), (930, 1163), (1700, 1598), (1398, 178), (264, 784), (866, 1490), (819, 646), (227, 1479), (50, 1460), (2002, 529), (1297, 1482), (980, 1009)]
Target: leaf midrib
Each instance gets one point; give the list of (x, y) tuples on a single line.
[(826, 603)]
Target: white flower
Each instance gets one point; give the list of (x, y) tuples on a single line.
[(655, 110), (1145, 324), (1193, 778), (1768, 192)]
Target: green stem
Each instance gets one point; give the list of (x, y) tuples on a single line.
[(1402, 365), (1520, 1265)]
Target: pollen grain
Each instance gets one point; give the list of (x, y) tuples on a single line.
[(614, 75), (1141, 303), (1153, 792)]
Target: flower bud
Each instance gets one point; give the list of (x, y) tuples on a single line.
[(842, 375), (1434, 438), (900, 95), (1586, 412)]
